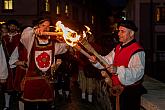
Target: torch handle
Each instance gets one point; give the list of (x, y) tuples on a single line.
[(82, 51), (92, 50), (52, 33)]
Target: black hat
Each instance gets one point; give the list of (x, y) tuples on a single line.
[(14, 22), (128, 24), (40, 21)]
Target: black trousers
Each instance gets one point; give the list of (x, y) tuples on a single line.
[(130, 99), (37, 106)]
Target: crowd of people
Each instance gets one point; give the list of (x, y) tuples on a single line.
[(35, 67)]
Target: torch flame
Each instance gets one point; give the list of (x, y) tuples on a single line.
[(70, 36), (88, 29)]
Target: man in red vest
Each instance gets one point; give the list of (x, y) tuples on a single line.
[(126, 66)]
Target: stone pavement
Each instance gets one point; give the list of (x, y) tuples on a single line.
[(153, 100), (155, 97), (75, 102)]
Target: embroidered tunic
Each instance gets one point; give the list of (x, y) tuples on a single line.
[(10, 42), (40, 56), (36, 84)]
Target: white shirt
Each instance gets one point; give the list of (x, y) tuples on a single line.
[(133, 73)]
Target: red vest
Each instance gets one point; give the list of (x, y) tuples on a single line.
[(123, 54), (122, 57)]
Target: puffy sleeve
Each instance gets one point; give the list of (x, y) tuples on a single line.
[(108, 58), (135, 70), (13, 58), (27, 37)]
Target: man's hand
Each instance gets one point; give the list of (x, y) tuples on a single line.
[(2, 80), (104, 74), (112, 69), (38, 30), (21, 63), (93, 59)]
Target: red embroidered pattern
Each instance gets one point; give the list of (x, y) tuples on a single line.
[(43, 60)]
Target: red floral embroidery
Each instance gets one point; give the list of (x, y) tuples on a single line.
[(43, 60)]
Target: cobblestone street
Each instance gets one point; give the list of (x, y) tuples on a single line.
[(61, 103), (75, 103)]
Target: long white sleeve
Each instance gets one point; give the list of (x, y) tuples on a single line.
[(135, 70), (108, 58), (13, 58), (133, 73), (3, 67)]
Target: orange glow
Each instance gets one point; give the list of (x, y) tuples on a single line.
[(70, 36)]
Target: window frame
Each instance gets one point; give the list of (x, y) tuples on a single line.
[(8, 9), (47, 6), (161, 15)]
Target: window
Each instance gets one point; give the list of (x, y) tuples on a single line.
[(160, 15), (93, 18), (8, 4), (1, 22), (47, 6), (58, 9), (67, 10)]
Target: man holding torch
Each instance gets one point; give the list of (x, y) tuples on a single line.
[(126, 63), (38, 61)]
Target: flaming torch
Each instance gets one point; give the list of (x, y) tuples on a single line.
[(85, 43), (71, 38)]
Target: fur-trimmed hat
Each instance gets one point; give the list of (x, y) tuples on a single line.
[(128, 24)]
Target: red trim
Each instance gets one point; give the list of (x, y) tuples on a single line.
[(115, 80)]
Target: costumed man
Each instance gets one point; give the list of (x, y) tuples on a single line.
[(87, 74), (3, 29), (3, 70), (38, 94), (10, 41), (126, 66), (63, 75)]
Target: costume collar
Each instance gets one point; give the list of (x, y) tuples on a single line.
[(129, 43)]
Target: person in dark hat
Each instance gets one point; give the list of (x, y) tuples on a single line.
[(126, 67), (10, 41), (13, 22), (128, 24)]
